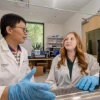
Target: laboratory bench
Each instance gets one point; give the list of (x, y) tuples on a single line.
[(76, 94), (43, 65)]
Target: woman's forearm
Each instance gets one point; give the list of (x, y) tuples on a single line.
[(5, 94)]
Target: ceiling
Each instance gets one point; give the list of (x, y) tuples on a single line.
[(47, 11)]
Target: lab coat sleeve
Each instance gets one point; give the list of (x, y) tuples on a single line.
[(1, 90), (1, 87), (93, 66), (51, 77), (28, 68)]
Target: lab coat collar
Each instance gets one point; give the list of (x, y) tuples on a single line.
[(9, 53), (73, 72), (4, 44), (76, 60), (65, 69), (6, 49), (12, 50), (21, 59)]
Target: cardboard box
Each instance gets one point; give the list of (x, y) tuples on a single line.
[(31, 65), (39, 71)]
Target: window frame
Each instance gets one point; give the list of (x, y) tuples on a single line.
[(40, 24)]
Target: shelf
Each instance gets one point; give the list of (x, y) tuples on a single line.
[(54, 47), (55, 38), (60, 38), (54, 42)]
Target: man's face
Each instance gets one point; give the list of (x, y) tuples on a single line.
[(19, 32)]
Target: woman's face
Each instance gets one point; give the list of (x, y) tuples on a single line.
[(70, 42)]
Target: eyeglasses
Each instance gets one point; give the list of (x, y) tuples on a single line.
[(24, 29)]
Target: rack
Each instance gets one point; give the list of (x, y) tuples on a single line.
[(54, 42)]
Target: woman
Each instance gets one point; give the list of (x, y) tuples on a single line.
[(73, 67)]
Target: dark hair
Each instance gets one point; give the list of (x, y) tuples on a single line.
[(9, 20)]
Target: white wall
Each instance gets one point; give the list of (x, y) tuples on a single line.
[(52, 29), (74, 23)]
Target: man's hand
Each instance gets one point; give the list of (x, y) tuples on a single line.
[(88, 83), (26, 90), (5, 94)]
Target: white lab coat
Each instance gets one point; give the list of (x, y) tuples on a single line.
[(60, 78), (10, 72)]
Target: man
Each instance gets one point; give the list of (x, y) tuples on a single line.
[(14, 64)]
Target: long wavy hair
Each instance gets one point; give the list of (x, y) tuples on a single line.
[(79, 54)]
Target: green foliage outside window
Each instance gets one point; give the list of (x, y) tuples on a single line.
[(36, 35)]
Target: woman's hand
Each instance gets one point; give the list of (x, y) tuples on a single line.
[(88, 83)]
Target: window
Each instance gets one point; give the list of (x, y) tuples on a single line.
[(92, 38), (36, 33)]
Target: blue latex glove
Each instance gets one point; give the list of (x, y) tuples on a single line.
[(88, 83), (26, 90)]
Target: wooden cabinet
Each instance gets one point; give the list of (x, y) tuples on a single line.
[(40, 65), (93, 24)]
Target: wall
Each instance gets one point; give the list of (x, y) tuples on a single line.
[(74, 23), (52, 29)]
